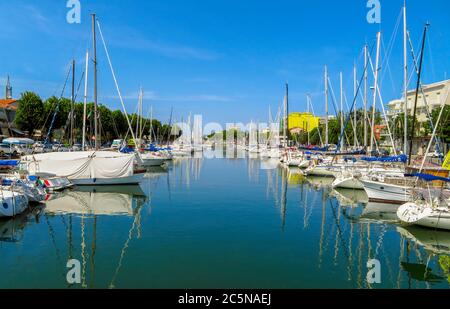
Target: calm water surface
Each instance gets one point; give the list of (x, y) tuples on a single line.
[(219, 223)]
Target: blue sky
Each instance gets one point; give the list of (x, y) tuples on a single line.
[(225, 59)]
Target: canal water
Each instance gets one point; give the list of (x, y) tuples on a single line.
[(219, 223)]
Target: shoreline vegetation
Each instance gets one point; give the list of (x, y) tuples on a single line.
[(36, 118)]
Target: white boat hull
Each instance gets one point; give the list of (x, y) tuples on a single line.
[(131, 180), (321, 172), (424, 215), (12, 204), (304, 164), (386, 193), (348, 183), (152, 162), (436, 221)]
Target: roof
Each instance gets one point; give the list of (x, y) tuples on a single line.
[(8, 103)]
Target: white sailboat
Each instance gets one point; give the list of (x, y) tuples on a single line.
[(87, 168), (428, 214)]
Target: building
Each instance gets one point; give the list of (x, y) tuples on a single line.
[(434, 95), (303, 122), (8, 109)]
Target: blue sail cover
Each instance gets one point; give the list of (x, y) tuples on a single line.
[(9, 163), (314, 148), (399, 159), (127, 150), (153, 148), (428, 177)]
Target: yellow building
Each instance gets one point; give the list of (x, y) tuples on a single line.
[(303, 122)]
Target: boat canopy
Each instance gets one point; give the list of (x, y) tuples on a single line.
[(399, 159), (18, 141), (81, 165), (9, 162), (428, 177), (153, 148)]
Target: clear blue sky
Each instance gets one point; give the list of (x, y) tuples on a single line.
[(225, 59)]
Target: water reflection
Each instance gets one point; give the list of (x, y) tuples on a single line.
[(12, 230), (97, 201), (217, 214)]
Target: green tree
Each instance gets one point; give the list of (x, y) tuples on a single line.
[(30, 113)]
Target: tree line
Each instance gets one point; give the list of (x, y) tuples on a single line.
[(52, 117)]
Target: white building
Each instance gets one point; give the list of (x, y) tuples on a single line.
[(434, 95)]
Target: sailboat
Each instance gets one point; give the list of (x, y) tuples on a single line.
[(428, 210), (89, 167)]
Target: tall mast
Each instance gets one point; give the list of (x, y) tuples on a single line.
[(405, 80), (365, 94), (309, 103), (286, 116), (94, 41), (326, 106), (72, 105), (375, 92), (342, 111), (355, 90), (419, 75), (138, 116), (142, 114), (85, 102)]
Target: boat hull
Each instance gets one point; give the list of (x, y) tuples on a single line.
[(321, 172), (12, 204), (152, 162), (436, 221), (131, 180), (386, 193), (348, 183)]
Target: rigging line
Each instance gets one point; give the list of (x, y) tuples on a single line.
[(353, 104), (333, 99), (58, 101), (79, 86), (384, 110), (389, 50), (354, 125), (433, 71), (117, 85), (438, 141), (314, 114)]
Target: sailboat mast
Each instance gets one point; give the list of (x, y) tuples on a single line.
[(94, 41), (309, 103), (375, 92), (365, 94), (72, 105), (142, 114), (405, 81), (419, 76), (286, 116), (83, 133), (326, 106), (138, 117), (355, 93), (342, 110)]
